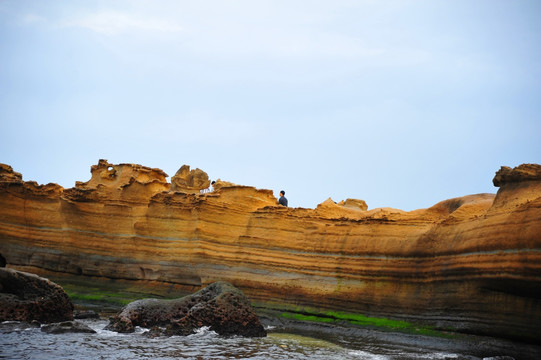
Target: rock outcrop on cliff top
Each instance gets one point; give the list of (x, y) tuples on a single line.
[(471, 263)]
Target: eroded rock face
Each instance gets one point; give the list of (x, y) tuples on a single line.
[(356, 204), (28, 297), (470, 263), (220, 306), (190, 180), (7, 174), (122, 182), (524, 172)]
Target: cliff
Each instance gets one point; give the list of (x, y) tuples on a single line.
[(471, 263)]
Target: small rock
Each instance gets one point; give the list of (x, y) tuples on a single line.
[(85, 314), (67, 327)]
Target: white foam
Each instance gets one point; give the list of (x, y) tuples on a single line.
[(106, 333), (366, 355), (442, 356), (203, 331), (140, 330)]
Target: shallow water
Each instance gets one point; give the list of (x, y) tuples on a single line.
[(22, 341)]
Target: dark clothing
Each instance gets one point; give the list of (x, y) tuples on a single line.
[(282, 201)]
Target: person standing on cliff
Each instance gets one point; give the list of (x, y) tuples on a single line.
[(282, 201), (209, 189)]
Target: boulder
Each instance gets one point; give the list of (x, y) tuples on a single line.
[(67, 327), (220, 306), (27, 297)]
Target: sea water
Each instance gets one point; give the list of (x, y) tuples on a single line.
[(22, 341)]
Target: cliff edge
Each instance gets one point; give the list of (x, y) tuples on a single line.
[(469, 264)]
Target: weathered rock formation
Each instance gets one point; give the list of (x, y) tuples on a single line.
[(220, 306), (187, 180), (28, 297), (470, 263)]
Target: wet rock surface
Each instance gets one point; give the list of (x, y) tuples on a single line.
[(220, 306), (67, 327), (27, 297), (470, 346), (85, 314)]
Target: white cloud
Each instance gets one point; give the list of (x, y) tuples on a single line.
[(114, 22)]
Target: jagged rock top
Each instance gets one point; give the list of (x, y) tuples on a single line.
[(111, 175), (189, 180), (524, 172), (132, 182), (7, 174)]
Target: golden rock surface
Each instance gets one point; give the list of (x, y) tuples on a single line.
[(471, 263), (190, 180)]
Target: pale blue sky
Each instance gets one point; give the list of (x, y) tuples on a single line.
[(401, 103)]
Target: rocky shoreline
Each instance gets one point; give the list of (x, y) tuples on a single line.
[(26, 297), (230, 318), (354, 337)]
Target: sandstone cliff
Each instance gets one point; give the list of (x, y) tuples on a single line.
[(470, 263)]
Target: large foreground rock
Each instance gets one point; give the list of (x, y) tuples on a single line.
[(27, 297), (220, 306)]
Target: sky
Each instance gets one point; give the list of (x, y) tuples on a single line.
[(400, 103)]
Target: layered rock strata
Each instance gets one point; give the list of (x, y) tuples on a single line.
[(470, 263)]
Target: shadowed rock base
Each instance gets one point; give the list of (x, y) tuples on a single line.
[(220, 306), (27, 297)]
